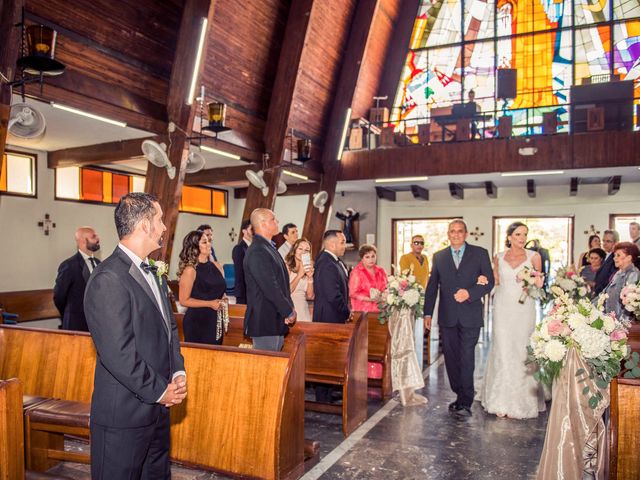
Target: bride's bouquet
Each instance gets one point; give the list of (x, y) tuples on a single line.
[(598, 336), (630, 297), (532, 282), (569, 282), (403, 291)]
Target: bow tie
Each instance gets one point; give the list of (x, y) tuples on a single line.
[(146, 268)]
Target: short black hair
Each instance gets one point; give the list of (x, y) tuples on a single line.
[(330, 234), (204, 227), (287, 227), (245, 224), (598, 251), (131, 209)]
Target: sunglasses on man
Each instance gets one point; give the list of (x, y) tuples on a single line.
[(418, 243)]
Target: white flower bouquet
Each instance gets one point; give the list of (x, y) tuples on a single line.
[(570, 282), (532, 282), (403, 291), (599, 337), (630, 297)]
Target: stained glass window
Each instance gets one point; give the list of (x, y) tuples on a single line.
[(457, 46)]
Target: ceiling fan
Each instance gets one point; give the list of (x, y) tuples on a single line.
[(156, 153)]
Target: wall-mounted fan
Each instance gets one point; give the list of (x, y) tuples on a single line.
[(320, 200), (195, 162), (256, 179), (25, 121), (282, 187), (156, 153)]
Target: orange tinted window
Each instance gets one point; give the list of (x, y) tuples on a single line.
[(120, 186), (219, 202), (196, 200), (106, 187), (91, 183), (3, 174)]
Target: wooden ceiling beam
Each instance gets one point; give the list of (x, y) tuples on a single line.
[(491, 189), (386, 194), (573, 187), (215, 176), (531, 188), (286, 80), (169, 191), (97, 154), (359, 34), (10, 14), (456, 190), (418, 192), (613, 185)]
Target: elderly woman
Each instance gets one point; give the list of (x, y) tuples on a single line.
[(625, 255), (367, 281), (596, 258)]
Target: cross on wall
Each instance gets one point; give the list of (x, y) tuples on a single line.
[(46, 224)]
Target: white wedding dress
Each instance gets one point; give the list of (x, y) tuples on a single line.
[(509, 387)]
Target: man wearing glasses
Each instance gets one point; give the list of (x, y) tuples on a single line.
[(415, 261)]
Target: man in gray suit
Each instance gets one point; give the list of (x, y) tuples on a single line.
[(462, 275)]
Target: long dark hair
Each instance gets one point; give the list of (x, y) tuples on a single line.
[(512, 228), (290, 259), (591, 239), (190, 250)]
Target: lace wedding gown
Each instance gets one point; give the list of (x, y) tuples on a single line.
[(509, 387)]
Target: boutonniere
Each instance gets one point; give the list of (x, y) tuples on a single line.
[(162, 269)]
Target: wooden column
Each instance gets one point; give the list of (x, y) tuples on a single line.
[(10, 14), (158, 183), (315, 222), (284, 87)]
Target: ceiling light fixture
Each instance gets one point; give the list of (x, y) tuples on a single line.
[(295, 175), (344, 133), (529, 174), (196, 66), (401, 179), (87, 114), (220, 152)]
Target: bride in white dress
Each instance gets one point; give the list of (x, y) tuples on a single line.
[(509, 389)]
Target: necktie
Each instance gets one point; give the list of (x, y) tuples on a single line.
[(94, 263), (456, 258), (148, 268)]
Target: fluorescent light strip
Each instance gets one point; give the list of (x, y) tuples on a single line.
[(531, 174), (344, 133), (401, 179), (196, 66), (295, 175), (220, 152), (87, 114)]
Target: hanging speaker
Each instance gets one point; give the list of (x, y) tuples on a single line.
[(507, 83)]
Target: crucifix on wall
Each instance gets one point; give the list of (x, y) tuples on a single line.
[(350, 226)]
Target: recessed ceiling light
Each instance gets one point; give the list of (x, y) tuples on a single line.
[(401, 179), (531, 174)]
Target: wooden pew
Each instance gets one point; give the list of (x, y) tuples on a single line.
[(11, 431), (624, 429), (379, 351), (336, 354), (30, 304), (216, 428)]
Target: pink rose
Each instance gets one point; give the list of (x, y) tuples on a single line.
[(403, 284), (618, 335), (570, 274), (555, 328)]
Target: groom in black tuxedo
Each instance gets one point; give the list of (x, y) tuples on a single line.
[(462, 274), (331, 303), (139, 369)]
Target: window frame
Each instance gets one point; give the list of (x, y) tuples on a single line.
[(34, 170)]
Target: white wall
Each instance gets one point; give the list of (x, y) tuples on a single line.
[(591, 206), (291, 209)]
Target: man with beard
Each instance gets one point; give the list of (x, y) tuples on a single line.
[(73, 274)]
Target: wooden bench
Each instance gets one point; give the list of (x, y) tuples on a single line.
[(227, 386), (30, 304), (11, 431), (379, 351), (336, 354), (624, 429)]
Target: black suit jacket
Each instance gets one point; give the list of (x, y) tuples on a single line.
[(137, 344), (240, 287), (268, 291), (68, 292), (448, 280), (604, 274), (331, 289)]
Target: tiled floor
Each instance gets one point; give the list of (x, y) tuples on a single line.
[(422, 442)]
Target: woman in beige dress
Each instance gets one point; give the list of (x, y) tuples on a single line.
[(301, 277)]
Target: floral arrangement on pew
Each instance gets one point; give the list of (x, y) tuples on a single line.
[(568, 281), (532, 282), (597, 336), (630, 297), (403, 291)]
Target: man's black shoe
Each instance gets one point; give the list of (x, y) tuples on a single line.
[(463, 412), (453, 406)]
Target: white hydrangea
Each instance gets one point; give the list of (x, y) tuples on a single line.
[(567, 284), (555, 350), (411, 297), (395, 285), (391, 299), (609, 324), (593, 342), (576, 320), (556, 290), (582, 291)]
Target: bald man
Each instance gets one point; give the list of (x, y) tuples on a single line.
[(73, 274), (269, 306)]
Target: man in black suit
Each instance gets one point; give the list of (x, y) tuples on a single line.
[(73, 274), (608, 268), (331, 281), (462, 274), (270, 309), (237, 254), (139, 369)]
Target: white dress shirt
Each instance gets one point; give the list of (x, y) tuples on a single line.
[(284, 249), (86, 258)]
